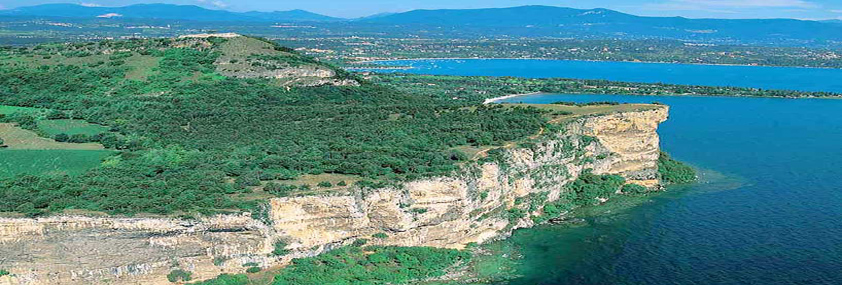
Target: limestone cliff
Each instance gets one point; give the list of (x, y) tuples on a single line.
[(452, 211)]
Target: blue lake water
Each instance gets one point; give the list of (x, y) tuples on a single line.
[(788, 78), (768, 210)]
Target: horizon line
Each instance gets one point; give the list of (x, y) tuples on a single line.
[(405, 11)]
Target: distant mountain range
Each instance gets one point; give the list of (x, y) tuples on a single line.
[(524, 21), (558, 21), (165, 11)]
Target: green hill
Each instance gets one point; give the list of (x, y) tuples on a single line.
[(220, 123)]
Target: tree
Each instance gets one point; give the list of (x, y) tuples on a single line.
[(56, 115), (62, 137)]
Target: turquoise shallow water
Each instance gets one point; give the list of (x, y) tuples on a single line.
[(769, 209), (790, 78)]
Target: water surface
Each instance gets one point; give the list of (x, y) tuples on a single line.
[(769, 210), (788, 78)]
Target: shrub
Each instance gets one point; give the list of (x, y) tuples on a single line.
[(342, 183), (516, 214), (253, 269), (372, 265), (251, 178), (360, 242), (380, 235), (280, 248), (278, 189), (634, 189), (179, 275), (78, 138), (4, 272), (674, 172), (61, 137), (325, 184), (218, 261), (588, 187), (56, 115)]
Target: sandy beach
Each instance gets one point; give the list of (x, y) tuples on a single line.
[(496, 99)]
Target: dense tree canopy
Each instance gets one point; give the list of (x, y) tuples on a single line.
[(186, 131)]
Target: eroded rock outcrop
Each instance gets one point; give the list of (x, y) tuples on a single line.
[(452, 212)]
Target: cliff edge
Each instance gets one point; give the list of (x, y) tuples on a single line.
[(471, 206)]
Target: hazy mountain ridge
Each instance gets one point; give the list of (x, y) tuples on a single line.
[(514, 22), (559, 21), (164, 11)]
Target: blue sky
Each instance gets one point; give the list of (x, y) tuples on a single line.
[(801, 9)]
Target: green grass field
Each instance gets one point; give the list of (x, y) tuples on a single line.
[(5, 110), (20, 139), (49, 162), (141, 66), (70, 127)]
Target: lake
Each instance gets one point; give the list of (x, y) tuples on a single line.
[(767, 211), (789, 78)]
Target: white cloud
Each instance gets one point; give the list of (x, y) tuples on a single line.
[(90, 4), (836, 11), (109, 15), (215, 3), (219, 4)]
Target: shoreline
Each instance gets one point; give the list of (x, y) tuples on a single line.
[(587, 60), (495, 99), (500, 98)]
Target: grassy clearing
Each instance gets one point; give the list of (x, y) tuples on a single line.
[(49, 162), (141, 66), (70, 127), (53, 59), (20, 139), (6, 110), (565, 111)]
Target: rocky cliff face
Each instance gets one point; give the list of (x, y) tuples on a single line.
[(448, 212)]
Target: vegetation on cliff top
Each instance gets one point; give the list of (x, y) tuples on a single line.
[(184, 131), (190, 139)]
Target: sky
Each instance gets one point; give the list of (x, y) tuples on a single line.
[(799, 9)]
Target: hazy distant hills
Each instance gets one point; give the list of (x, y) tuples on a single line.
[(525, 21), (164, 11), (505, 17), (558, 21)]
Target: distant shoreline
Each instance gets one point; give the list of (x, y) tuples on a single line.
[(588, 60)]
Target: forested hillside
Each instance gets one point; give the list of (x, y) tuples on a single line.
[(208, 124)]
